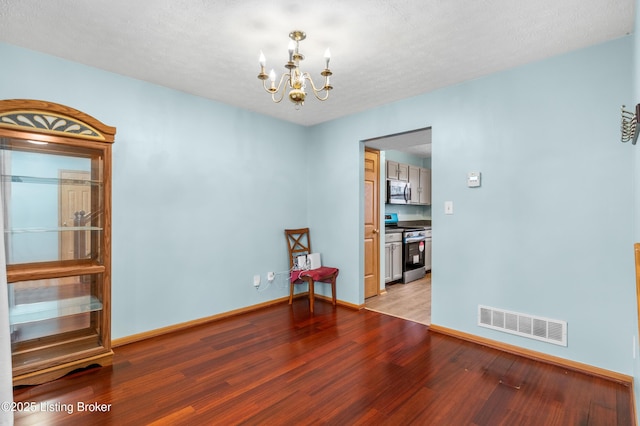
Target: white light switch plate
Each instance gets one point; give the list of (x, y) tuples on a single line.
[(448, 207)]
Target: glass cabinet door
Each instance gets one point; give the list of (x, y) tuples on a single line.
[(52, 197), (52, 204)]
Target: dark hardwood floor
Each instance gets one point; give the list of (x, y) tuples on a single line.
[(282, 366)]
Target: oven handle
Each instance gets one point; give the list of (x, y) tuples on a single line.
[(414, 239)]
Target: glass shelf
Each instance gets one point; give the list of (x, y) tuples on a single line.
[(40, 311), (58, 229), (48, 180), (42, 243)]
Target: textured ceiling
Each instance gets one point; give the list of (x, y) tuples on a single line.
[(382, 50)]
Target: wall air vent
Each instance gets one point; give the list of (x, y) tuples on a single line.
[(544, 329)]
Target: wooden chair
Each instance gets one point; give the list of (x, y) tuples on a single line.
[(299, 243)]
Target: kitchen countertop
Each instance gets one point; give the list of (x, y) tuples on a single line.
[(414, 223)]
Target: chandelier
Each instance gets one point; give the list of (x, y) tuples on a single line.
[(295, 81)]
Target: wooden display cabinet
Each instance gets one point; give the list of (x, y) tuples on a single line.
[(55, 168)]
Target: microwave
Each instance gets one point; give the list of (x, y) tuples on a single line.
[(398, 192)]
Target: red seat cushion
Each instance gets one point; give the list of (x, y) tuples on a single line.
[(321, 274)]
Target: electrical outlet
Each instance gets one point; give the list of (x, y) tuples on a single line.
[(256, 280), (271, 276)]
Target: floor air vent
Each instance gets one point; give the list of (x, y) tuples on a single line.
[(547, 330)]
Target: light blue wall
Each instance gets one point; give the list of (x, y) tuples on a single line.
[(403, 157), (636, 213), (635, 101), (201, 191), (549, 231)]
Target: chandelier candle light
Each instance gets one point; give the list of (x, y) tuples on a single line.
[(296, 80)]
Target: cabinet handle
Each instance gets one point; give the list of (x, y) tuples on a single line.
[(375, 231)]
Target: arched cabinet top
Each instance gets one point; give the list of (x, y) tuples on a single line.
[(52, 119)]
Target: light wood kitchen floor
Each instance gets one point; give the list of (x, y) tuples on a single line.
[(411, 301)]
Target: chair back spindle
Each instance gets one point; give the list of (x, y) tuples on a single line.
[(298, 242)]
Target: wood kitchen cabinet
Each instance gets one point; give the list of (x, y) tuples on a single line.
[(420, 181), (397, 171), (56, 195)]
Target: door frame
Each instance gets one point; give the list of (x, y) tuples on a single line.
[(381, 143)]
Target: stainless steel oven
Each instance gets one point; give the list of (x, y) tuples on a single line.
[(414, 251), (416, 247)]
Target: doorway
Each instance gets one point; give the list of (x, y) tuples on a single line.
[(409, 300)]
